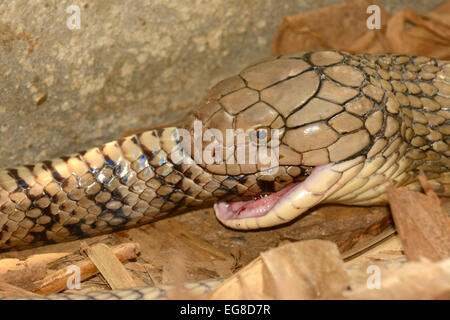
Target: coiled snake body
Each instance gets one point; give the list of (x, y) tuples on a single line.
[(348, 124)]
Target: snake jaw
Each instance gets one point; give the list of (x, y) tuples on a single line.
[(324, 184), (256, 208), (279, 207)]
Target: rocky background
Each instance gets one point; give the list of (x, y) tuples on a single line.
[(131, 64)]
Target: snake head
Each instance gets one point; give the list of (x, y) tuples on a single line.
[(337, 117)]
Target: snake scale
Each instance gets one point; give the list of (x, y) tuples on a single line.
[(348, 125)]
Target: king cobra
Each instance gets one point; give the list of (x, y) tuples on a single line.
[(349, 125)]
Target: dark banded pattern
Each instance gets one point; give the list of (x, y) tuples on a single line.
[(119, 185), (377, 117)]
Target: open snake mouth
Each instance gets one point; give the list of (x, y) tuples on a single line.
[(255, 208), (278, 207)]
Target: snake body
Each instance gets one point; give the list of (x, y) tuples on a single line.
[(348, 124)]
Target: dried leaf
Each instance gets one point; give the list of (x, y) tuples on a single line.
[(423, 226), (415, 280), (311, 269), (343, 27)]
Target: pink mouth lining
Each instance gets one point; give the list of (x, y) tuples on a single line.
[(251, 208), (262, 206)]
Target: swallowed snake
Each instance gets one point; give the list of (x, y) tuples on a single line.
[(346, 126)]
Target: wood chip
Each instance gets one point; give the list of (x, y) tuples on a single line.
[(23, 273), (57, 281), (7, 290), (110, 267)]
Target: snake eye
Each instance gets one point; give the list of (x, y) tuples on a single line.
[(261, 136)]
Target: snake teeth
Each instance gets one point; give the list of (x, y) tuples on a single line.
[(359, 120), (282, 206), (256, 208), (326, 183)]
